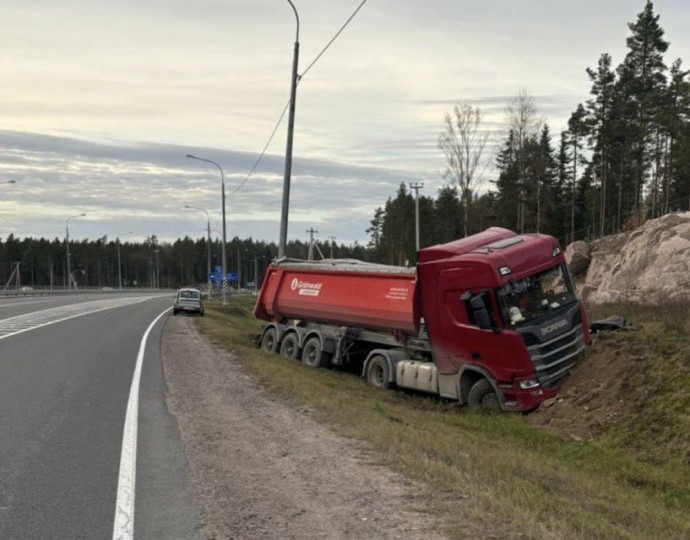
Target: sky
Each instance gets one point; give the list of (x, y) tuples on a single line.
[(101, 101)]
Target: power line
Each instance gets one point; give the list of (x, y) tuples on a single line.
[(333, 39), (263, 152), (299, 79)]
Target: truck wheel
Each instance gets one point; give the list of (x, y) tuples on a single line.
[(269, 340), (483, 395), (289, 348), (378, 372), (313, 355)]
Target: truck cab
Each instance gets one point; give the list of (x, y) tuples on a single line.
[(501, 308)]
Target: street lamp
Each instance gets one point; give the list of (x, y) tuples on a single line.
[(416, 186), (119, 260), (69, 270), (288, 151), (224, 278), (208, 244)]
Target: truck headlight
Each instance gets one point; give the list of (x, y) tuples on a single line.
[(529, 383)]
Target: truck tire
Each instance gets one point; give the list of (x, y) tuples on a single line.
[(269, 341), (483, 395), (378, 372), (313, 355), (289, 348)]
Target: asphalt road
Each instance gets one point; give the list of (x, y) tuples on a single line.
[(66, 369)]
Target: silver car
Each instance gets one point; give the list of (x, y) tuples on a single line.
[(189, 301)]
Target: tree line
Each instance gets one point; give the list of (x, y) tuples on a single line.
[(624, 157), (148, 264)]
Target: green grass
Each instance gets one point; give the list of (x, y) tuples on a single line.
[(497, 474)]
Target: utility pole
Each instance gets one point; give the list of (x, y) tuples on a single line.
[(239, 268), (416, 187), (311, 232), (332, 239), (256, 274), (288, 151)]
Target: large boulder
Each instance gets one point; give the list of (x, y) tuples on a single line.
[(651, 264), (578, 257)]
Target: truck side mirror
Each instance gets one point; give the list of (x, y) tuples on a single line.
[(481, 314)]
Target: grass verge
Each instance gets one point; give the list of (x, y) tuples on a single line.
[(483, 475)]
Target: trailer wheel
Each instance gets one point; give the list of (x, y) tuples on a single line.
[(313, 355), (289, 348), (378, 372), (483, 395), (269, 340)]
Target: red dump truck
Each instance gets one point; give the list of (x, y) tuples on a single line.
[(488, 320)]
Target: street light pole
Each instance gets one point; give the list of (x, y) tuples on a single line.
[(288, 151), (208, 244), (416, 188), (224, 278), (119, 260), (69, 270)]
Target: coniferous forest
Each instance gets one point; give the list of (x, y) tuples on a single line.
[(623, 158)]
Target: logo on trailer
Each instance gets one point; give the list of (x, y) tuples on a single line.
[(305, 287)]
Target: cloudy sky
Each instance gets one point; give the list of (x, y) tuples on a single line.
[(101, 100)]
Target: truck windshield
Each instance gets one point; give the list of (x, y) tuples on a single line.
[(532, 297)]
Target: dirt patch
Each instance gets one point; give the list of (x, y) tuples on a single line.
[(263, 468), (600, 391)]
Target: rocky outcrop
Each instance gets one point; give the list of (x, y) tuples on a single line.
[(651, 264)]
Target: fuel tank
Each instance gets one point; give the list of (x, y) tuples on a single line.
[(341, 292)]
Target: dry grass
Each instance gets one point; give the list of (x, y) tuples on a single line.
[(484, 475)]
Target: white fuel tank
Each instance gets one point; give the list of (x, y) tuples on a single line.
[(422, 376)]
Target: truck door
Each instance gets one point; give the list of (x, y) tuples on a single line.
[(500, 352)]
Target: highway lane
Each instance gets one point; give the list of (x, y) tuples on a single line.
[(12, 307), (63, 395)]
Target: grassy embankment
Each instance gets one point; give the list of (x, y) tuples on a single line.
[(498, 474)]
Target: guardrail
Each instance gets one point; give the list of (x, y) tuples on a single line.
[(19, 293)]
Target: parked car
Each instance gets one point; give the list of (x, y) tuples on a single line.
[(189, 301)]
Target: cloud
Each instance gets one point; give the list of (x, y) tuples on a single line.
[(144, 187)]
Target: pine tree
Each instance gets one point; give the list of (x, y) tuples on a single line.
[(577, 127), (446, 209), (599, 110), (508, 183), (642, 81)]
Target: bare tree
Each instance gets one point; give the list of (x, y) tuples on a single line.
[(463, 144), (523, 119)]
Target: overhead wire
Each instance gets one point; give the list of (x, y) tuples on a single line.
[(318, 56), (299, 79)]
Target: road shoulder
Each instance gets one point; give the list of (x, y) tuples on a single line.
[(263, 467)]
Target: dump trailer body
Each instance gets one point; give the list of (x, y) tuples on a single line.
[(341, 292)]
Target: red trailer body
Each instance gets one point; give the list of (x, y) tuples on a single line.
[(494, 307), (348, 293)]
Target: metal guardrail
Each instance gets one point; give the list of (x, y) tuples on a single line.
[(18, 293)]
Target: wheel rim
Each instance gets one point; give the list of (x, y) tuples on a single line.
[(312, 354), (377, 375), (289, 348), (269, 341), (311, 357)]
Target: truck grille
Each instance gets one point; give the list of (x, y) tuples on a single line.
[(553, 359)]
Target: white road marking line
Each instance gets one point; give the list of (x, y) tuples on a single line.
[(123, 529), (38, 319)]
